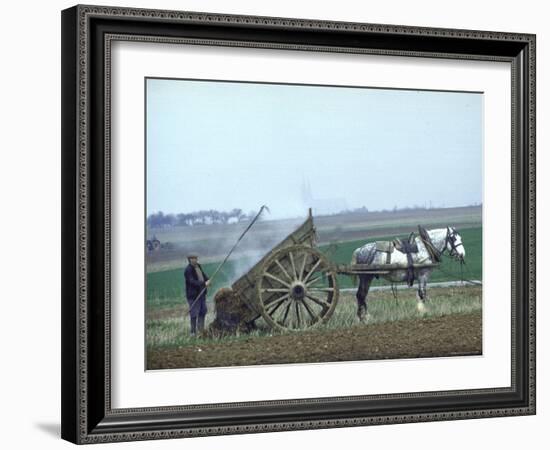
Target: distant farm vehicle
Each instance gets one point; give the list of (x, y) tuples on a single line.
[(153, 244)]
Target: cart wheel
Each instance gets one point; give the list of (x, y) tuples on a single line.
[(297, 288)]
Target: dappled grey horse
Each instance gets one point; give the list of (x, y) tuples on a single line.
[(428, 248)]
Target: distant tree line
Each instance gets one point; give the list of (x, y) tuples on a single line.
[(203, 217), (364, 210)]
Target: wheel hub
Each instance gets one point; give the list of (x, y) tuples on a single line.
[(298, 290)]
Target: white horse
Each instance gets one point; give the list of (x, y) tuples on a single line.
[(430, 247)]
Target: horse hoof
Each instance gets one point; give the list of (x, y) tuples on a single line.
[(361, 313)]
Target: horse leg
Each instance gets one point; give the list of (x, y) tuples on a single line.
[(422, 292), (361, 295)]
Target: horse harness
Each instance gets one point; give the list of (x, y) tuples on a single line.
[(451, 239), (409, 247), (435, 254)]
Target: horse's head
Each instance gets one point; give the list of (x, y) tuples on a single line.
[(454, 244)]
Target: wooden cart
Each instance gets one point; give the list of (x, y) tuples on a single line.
[(295, 286)]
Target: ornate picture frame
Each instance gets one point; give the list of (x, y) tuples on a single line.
[(88, 33)]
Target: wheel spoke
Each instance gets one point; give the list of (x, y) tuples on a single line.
[(278, 302), (273, 277), (318, 301), (301, 274), (272, 302), (298, 319), (274, 310), (275, 290), (314, 280), (286, 313), (283, 270), (309, 311), (313, 306), (291, 256), (321, 289), (312, 270)]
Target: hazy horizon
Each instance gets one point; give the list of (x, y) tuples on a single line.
[(223, 145), (267, 214)]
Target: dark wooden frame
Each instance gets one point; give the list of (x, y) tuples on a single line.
[(87, 31)]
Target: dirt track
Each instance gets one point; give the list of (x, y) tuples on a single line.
[(451, 335)]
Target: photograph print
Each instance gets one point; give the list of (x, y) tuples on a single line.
[(298, 223)]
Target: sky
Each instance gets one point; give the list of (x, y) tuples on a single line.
[(224, 145)]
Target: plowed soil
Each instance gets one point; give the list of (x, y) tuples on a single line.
[(452, 335)]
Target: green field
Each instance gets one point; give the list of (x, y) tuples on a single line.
[(165, 289)]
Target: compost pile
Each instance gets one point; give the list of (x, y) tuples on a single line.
[(229, 314)]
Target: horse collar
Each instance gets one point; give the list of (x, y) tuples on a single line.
[(434, 253)]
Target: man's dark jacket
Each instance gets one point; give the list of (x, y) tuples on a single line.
[(193, 286)]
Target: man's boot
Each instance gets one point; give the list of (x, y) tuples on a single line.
[(201, 324), (193, 326)]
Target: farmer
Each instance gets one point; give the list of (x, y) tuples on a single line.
[(196, 282)]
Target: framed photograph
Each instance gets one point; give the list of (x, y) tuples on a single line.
[(277, 224)]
